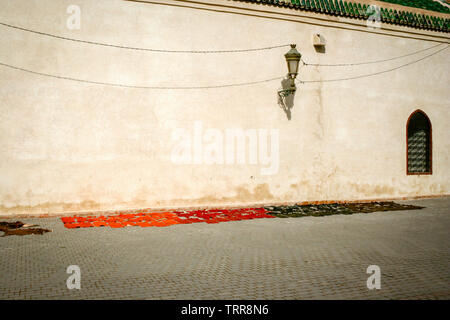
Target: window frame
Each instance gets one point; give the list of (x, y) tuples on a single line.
[(430, 172)]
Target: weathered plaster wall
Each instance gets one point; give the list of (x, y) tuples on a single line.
[(68, 146)]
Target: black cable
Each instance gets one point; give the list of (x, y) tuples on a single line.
[(216, 86), (137, 48), (140, 87), (373, 74), (369, 62)]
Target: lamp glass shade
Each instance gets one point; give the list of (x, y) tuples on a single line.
[(293, 58), (293, 66)]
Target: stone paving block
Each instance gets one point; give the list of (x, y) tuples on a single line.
[(289, 258)]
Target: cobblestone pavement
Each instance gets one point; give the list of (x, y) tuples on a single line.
[(289, 258)]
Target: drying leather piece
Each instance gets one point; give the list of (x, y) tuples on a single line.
[(165, 219), (211, 216), (19, 229)]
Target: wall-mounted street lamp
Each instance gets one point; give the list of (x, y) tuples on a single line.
[(293, 60), (285, 95)]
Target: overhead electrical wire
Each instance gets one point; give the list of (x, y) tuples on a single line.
[(214, 86), (139, 48), (203, 51), (375, 73), (368, 62), (137, 86), (207, 51)]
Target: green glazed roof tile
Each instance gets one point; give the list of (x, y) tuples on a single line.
[(332, 7), (361, 11), (422, 4)]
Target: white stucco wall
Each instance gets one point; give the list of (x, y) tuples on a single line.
[(67, 146)]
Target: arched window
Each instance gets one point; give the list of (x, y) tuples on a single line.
[(418, 150)]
